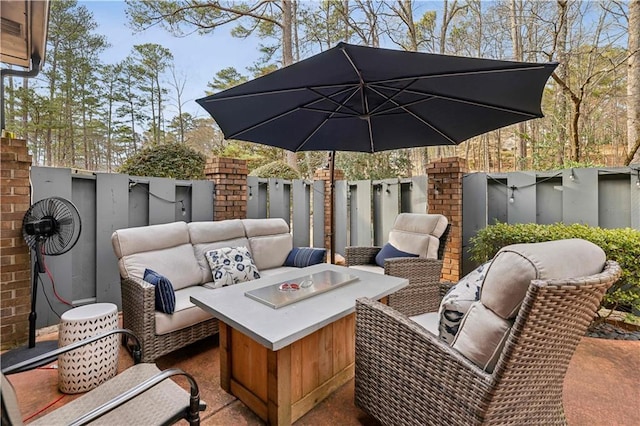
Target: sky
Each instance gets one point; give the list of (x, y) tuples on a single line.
[(197, 58)]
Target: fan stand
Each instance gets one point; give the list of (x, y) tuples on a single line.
[(15, 356)]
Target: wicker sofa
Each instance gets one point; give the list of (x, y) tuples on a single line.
[(177, 251), (510, 354)]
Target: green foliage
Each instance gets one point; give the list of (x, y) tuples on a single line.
[(171, 160), (276, 169), (621, 245)]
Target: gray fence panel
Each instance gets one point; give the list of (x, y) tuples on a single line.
[(580, 196), (253, 197), (340, 209), (280, 199), (138, 202), (301, 213), (549, 200), (613, 202), (112, 207), (497, 200), (48, 182), (83, 188), (390, 207), (182, 207), (523, 207), (202, 194), (360, 198), (162, 200), (474, 212), (318, 213), (418, 190)]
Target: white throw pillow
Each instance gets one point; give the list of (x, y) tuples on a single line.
[(458, 300), (231, 265)]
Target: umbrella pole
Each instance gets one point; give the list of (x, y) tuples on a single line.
[(332, 200)]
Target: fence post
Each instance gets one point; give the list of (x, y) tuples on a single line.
[(445, 197), (229, 176), (15, 283)]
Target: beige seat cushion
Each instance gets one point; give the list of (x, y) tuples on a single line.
[(486, 326), (369, 268), (418, 233), (186, 313)]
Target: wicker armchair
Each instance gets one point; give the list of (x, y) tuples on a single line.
[(405, 374), (142, 394), (422, 272)]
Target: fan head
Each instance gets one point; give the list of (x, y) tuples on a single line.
[(53, 224)]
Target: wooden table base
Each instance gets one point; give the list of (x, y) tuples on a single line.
[(281, 386)]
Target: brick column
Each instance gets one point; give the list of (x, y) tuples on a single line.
[(445, 197), (230, 178), (15, 278), (325, 175)]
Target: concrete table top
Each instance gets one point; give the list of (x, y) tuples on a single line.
[(277, 328)]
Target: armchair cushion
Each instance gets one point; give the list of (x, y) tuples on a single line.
[(231, 265), (485, 327), (305, 256), (389, 251), (458, 300), (418, 233), (165, 294)]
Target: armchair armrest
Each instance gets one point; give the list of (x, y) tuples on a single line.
[(398, 361), (34, 362), (138, 309), (360, 255), (423, 292)]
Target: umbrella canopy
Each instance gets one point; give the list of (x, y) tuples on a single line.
[(364, 99)]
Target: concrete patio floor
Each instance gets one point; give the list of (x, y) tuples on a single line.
[(602, 387)]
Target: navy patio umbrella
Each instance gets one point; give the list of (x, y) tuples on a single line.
[(365, 99)]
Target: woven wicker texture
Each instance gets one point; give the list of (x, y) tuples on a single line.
[(85, 368), (406, 376), (138, 315), (165, 401), (423, 292)]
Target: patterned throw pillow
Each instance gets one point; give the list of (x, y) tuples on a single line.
[(388, 251), (165, 294), (305, 256), (231, 265), (458, 300)]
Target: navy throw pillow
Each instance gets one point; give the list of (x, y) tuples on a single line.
[(388, 251), (305, 256), (165, 294)]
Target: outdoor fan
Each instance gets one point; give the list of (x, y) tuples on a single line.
[(50, 227)]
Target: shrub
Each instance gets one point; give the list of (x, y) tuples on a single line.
[(171, 160), (276, 169), (621, 245)]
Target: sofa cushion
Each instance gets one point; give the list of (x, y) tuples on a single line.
[(388, 251), (458, 300), (279, 270), (186, 313), (482, 336), (165, 294), (262, 227), (270, 251), (163, 248), (301, 257), (428, 320), (231, 265)]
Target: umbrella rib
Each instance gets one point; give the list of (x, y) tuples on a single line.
[(398, 92), (219, 97), (417, 117), (365, 104), (338, 104), (457, 99), (322, 124), (460, 73)]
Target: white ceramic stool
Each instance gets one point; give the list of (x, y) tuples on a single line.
[(85, 368)]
